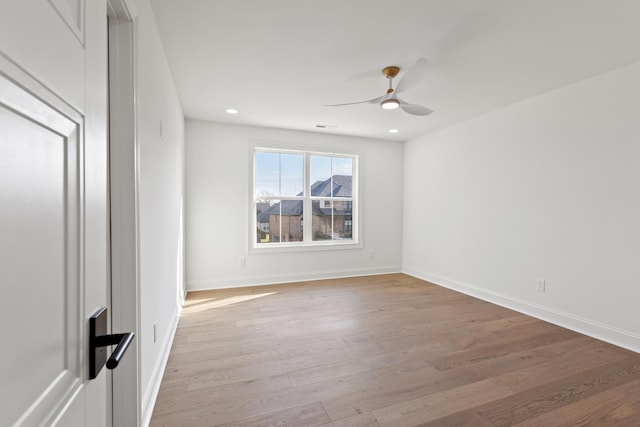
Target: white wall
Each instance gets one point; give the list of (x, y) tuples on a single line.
[(548, 188), (160, 203), (218, 209)]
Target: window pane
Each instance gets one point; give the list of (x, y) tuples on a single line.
[(332, 220), (267, 220), (292, 174), (322, 222), (291, 221), (331, 176), (279, 221), (343, 220), (267, 178), (320, 176), (342, 172)]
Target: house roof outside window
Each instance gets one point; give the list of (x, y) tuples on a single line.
[(341, 188)]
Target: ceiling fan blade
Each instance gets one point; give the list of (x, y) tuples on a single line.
[(347, 103), (416, 110), (369, 101), (378, 99), (414, 76)]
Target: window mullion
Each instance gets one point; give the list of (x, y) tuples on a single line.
[(307, 211), (280, 175)]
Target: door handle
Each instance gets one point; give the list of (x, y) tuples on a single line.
[(99, 340), (122, 341)]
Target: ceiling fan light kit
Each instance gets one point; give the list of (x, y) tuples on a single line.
[(390, 101), (390, 104)]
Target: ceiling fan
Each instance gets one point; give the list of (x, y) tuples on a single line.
[(390, 100)]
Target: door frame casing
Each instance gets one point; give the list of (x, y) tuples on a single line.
[(123, 202)]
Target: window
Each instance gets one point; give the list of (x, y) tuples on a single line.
[(291, 185)]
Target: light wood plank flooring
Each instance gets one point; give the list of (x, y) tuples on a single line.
[(386, 350)]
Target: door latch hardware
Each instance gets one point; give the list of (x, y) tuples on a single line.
[(99, 340)]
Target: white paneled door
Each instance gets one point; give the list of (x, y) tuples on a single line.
[(53, 210)]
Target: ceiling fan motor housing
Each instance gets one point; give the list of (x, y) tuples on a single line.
[(390, 72)]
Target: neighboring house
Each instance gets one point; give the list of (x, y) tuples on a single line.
[(289, 212), (262, 216), (331, 219), (341, 187)]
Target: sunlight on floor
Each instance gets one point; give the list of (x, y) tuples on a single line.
[(198, 306)]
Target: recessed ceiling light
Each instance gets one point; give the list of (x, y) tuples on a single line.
[(393, 131), (231, 111)]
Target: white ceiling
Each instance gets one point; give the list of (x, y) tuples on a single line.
[(278, 62)]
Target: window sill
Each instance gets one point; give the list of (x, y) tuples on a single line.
[(267, 248)]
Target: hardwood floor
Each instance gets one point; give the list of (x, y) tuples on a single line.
[(386, 350)]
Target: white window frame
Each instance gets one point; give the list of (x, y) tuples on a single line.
[(307, 243)]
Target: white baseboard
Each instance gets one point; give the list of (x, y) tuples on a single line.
[(612, 335), (149, 400), (288, 278)]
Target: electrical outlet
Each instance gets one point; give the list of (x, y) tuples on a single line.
[(372, 254), (542, 285), (243, 262)]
